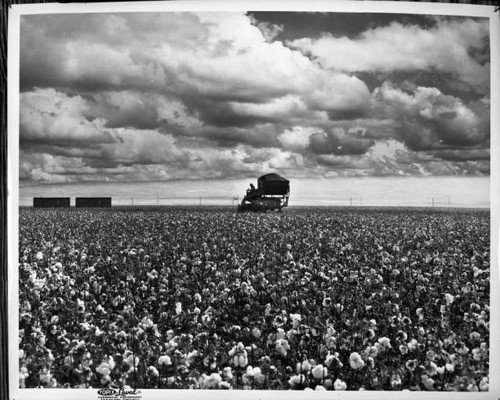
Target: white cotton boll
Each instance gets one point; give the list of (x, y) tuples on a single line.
[(227, 373), (339, 384), (132, 360), (413, 345), (296, 380), (103, 369), (385, 342), (165, 360), (45, 376), (303, 367), (258, 376), (296, 318), (147, 322), (484, 384), (39, 256), (191, 357), (224, 385), (178, 308), (472, 387), (282, 346), (355, 361), (212, 381), (428, 382), (240, 355), (319, 372), (395, 380)]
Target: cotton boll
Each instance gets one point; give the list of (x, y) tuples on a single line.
[(303, 367), (153, 371), (296, 318), (165, 361), (212, 381), (282, 346), (428, 382), (339, 384), (319, 371), (239, 354), (296, 381), (224, 385), (385, 342), (355, 361)]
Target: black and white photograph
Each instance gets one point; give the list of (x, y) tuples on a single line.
[(253, 198)]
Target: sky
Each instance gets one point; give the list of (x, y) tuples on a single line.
[(149, 96)]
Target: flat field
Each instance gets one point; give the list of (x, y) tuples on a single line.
[(310, 298)]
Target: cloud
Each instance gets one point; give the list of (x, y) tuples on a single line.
[(268, 30), (47, 115), (337, 141), (456, 46), (297, 138), (142, 110), (428, 118), (175, 95)]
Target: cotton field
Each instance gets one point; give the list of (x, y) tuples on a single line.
[(206, 298)]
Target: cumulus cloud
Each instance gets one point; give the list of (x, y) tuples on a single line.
[(297, 138), (174, 95), (269, 30), (455, 46), (428, 118), (47, 115)]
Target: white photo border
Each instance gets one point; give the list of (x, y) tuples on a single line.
[(15, 14)]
